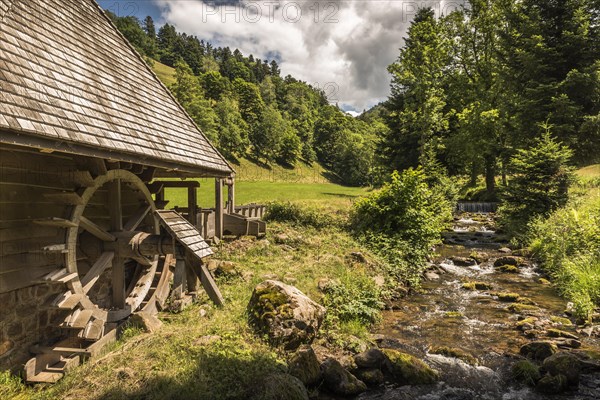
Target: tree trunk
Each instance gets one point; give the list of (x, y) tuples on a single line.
[(490, 175), (474, 174), (504, 180)]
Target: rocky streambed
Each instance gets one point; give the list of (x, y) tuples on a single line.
[(491, 326)]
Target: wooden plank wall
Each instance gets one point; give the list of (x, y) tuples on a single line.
[(25, 177)]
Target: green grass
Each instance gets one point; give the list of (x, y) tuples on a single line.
[(591, 171), (327, 194), (175, 363), (568, 244), (164, 72)]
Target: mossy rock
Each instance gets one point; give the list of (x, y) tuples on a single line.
[(544, 282), (565, 364), (561, 320), (508, 260), (519, 308), (557, 333), (507, 297), (285, 314), (453, 314), (525, 323), (455, 353), (538, 350), (526, 372), (479, 257), (508, 269), (408, 370), (552, 384), (477, 286), (372, 376)]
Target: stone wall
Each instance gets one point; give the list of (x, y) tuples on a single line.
[(26, 319)]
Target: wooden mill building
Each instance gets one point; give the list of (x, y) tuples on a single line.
[(89, 139)]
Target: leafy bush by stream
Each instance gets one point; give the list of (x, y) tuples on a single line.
[(403, 221)]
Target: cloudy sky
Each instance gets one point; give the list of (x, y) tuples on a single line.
[(342, 47)]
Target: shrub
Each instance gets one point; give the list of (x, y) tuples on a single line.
[(355, 297), (539, 186), (403, 221)]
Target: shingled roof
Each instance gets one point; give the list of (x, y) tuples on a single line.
[(69, 81)]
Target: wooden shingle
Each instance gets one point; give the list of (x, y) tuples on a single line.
[(66, 70)]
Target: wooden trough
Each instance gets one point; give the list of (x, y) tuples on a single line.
[(89, 139)]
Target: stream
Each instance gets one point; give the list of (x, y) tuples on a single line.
[(479, 322)]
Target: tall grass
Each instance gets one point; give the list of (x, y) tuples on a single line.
[(567, 244)]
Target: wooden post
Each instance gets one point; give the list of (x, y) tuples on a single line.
[(193, 206), (192, 279), (219, 208), (231, 196), (179, 278)]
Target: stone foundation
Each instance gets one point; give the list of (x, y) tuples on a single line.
[(25, 319)]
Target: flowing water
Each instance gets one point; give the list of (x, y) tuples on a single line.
[(477, 322)]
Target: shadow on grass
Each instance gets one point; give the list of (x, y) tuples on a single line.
[(254, 160), (342, 195), (217, 376)]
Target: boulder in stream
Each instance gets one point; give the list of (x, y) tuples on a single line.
[(508, 260), (285, 314), (565, 364), (463, 261), (407, 369), (372, 358), (538, 350), (457, 373)]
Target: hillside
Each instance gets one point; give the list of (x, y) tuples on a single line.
[(164, 72)]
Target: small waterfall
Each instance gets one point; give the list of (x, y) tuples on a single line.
[(476, 207)]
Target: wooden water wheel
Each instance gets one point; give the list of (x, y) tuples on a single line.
[(116, 262)]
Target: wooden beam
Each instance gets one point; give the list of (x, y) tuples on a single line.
[(136, 219), (219, 208), (114, 205), (95, 230), (118, 282), (179, 279), (192, 206), (97, 269), (231, 197)]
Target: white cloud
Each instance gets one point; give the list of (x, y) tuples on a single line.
[(343, 47)]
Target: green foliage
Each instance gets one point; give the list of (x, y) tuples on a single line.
[(539, 185), (567, 244), (406, 207), (353, 298), (189, 93), (527, 372), (298, 215), (402, 222)]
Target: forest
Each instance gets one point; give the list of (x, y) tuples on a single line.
[(468, 91), (248, 109)]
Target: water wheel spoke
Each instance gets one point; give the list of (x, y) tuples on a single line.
[(115, 205), (142, 261), (136, 219), (118, 282), (97, 269), (95, 230)]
